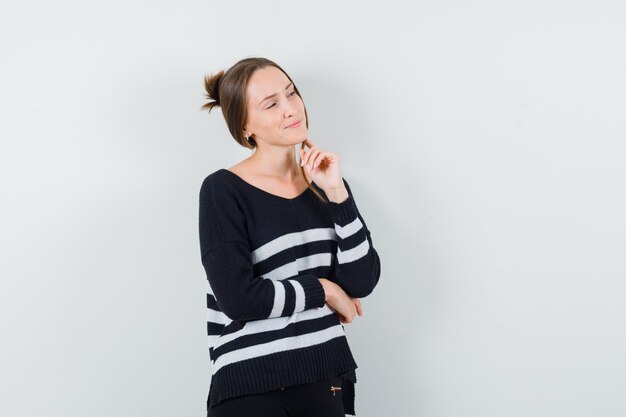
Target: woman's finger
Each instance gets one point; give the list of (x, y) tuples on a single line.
[(312, 155), (304, 156), (309, 143), (359, 306), (318, 159)]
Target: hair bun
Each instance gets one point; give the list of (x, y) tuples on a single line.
[(212, 86)]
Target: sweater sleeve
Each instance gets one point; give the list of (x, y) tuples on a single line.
[(357, 266), (227, 259)]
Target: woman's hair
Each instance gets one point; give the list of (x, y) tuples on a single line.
[(228, 90)]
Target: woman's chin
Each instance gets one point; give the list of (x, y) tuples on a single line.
[(300, 136)]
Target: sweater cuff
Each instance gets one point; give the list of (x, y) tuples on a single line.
[(314, 295), (344, 212)]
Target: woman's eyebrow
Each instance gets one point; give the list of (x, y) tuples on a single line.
[(270, 96)]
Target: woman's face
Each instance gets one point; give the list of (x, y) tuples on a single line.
[(273, 105)]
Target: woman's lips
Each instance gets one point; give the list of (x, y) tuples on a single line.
[(298, 123)]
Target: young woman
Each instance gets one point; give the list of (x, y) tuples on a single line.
[(287, 257)]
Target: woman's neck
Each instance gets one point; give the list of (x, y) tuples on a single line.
[(278, 163)]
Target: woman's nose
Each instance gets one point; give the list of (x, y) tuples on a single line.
[(290, 109)]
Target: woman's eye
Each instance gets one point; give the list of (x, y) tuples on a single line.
[(290, 94)]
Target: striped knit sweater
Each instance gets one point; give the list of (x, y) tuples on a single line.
[(268, 323)]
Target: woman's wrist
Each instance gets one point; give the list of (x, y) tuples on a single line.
[(337, 195), (329, 290)]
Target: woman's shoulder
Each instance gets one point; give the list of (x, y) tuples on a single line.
[(225, 175), (218, 181)]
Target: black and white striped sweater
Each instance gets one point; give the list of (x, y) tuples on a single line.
[(268, 323)]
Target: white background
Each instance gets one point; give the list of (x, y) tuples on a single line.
[(484, 142)]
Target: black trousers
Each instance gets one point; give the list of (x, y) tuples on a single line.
[(316, 399)]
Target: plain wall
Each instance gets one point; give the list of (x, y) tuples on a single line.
[(484, 142)]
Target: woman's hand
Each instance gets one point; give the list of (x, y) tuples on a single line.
[(323, 167), (353, 307), (341, 303)]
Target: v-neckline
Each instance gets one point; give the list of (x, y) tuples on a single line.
[(263, 191)]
